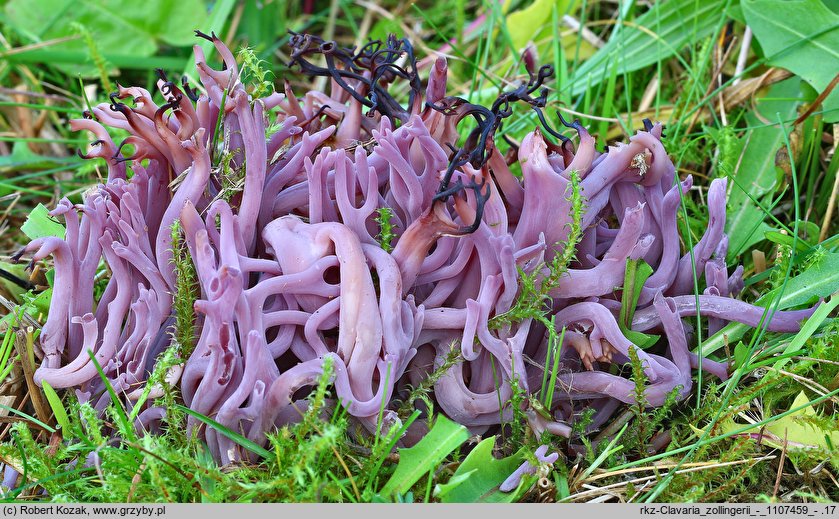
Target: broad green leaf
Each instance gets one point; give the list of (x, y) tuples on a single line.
[(40, 224), (118, 26), (785, 239), (215, 23), (798, 429), (415, 462), (755, 178), (820, 280), (637, 272), (657, 34), (526, 23), (73, 58), (477, 479), (801, 36)]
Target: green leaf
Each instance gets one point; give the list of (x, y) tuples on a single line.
[(798, 428), (57, 407), (755, 179), (40, 224), (809, 328), (127, 427), (217, 19), (477, 479), (224, 431), (27, 417), (524, 24), (416, 461), (741, 354), (801, 36), (786, 239), (24, 158), (637, 272), (118, 26), (820, 280), (667, 27)]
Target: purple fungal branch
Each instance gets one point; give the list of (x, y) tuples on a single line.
[(281, 230)]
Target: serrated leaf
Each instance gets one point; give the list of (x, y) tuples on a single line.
[(477, 479), (820, 280), (39, 224), (755, 178), (415, 462), (801, 36)]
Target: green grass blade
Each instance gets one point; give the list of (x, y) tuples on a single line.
[(127, 425), (416, 461), (32, 419), (231, 435), (57, 407)]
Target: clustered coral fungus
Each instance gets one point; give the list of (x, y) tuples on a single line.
[(276, 199)]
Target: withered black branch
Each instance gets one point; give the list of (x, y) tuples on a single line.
[(116, 105), (481, 197), (344, 65), (190, 92), (480, 142), (458, 159), (208, 37), (15, 258), (83, 155), (118, 157), (338, 76), (547, 126), (22, 283), (314, 116), (577, 125)]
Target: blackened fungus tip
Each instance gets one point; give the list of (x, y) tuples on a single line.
[(203, 35), (15, 258)]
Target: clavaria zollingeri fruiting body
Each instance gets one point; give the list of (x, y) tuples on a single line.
[(278, 202)]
